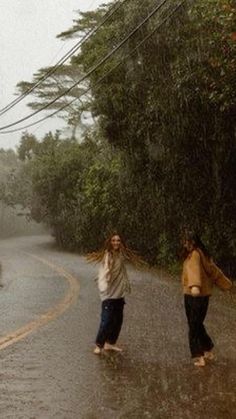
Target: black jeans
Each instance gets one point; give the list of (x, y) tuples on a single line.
[(196, 310), (111, 321)]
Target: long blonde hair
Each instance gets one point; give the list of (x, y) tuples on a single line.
[(130, 255)]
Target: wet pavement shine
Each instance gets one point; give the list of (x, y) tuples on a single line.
[(53, 373)]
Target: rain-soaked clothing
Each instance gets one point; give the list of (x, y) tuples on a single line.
[(118, 283), (196, 310), (200, 271), (112, 297), (111, 321)]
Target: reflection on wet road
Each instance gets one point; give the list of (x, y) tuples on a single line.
[(52, 373)]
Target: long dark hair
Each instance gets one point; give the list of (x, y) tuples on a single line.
[(195, 239)]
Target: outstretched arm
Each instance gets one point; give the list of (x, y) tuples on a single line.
[(219, 278)]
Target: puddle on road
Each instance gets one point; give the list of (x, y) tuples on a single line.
[(146, 390)]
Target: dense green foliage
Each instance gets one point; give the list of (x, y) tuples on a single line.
[(14, 220), (162, 154)]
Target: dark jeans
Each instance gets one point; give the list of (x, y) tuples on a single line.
[(196, 310), (111, 321)]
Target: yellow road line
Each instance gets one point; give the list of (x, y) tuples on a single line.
[(53, 313)]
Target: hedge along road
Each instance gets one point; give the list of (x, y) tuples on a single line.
[(52, 373)]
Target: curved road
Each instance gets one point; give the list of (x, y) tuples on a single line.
[(49, 310)]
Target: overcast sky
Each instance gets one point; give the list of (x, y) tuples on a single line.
[(28, 30)]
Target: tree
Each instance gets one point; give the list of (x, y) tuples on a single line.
[(162, 153)]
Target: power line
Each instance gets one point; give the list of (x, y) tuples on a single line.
[(94, 68), (101, 79), (68, 55)]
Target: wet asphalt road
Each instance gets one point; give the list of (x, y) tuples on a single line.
[(52, 373)]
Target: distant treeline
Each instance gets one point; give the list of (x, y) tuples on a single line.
[(13, 220), (161, 154)]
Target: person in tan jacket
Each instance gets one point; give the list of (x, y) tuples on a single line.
[(199, 276)]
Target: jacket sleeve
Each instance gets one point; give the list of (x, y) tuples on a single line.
[(193, 268), (219, 278)]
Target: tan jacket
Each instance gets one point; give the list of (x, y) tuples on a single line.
[(199, 271)]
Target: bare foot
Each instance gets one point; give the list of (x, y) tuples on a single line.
[(109, 347), (97, 350), (200, 362), (209, 355)]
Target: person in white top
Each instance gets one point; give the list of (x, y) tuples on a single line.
[(113, 285)]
